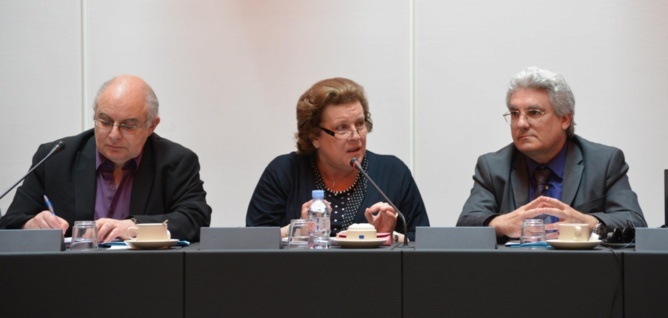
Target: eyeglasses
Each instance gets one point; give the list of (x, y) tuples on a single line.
[(531, 115), (345, 134), (125, 129)]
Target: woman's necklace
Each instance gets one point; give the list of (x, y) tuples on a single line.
[(340, 181)]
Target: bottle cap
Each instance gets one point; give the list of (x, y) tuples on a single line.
[(318, 194)]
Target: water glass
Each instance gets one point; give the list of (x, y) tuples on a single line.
[(298, 234), (84, 236), (533, 230)]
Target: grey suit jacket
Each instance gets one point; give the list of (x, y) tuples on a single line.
[(595, 182)]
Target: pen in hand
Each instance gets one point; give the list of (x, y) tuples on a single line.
[(49, 205)]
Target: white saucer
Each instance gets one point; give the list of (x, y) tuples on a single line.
[(150, 245), (343, 234), (358, 243), (573, 245)]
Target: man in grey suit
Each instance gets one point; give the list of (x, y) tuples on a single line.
[(582, 181)]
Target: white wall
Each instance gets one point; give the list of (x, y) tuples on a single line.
[(40, 80), (614, 54), (228, 74)]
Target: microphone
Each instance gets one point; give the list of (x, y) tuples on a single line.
[(355, 164), (57, 148)]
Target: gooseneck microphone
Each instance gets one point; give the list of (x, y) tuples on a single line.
[(57, 148), (355, 164)]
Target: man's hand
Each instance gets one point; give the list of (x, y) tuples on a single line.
[(46, 220), (564, 212), (510, 224), (110, 229)]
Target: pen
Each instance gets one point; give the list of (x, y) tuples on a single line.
[(49, 205)]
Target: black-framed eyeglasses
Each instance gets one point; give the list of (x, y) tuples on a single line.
[(126, 129), (531, 115), (344, 134)]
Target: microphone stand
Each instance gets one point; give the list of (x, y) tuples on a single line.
[(355, 164), (59, 146)]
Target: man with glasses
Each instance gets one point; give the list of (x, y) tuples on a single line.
[(549, 172), (119, 173)]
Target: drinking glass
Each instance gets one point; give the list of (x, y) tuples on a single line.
[(533, 230), (298, 234), (84, 236)]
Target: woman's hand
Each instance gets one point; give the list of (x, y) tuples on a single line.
[(382, 216)]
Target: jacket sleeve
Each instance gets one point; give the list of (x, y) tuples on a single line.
[(267, 206), (182, 192), (285, 185), (618, 207), (481, 205), (411, 205), (28, 200)]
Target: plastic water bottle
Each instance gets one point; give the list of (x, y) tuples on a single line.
[(318, 219)]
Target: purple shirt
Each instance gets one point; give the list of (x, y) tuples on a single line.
[(112, 202)]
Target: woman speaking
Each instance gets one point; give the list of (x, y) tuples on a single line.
[(333, 121)]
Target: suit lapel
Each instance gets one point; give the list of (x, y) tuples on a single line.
[(85, 182), (143, 181), (519, 181), (572, 173)]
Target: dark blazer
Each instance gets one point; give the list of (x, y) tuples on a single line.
[(595, 182), (166, 186), (288, 180)]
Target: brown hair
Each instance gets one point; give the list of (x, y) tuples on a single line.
[(333, 91)]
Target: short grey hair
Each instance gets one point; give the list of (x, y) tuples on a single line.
[(152, 104), (558, 92)]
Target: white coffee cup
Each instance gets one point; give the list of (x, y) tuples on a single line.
[(149, 232), (574, 232)]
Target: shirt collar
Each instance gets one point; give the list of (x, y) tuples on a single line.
[(102, 160), (557, 164)]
